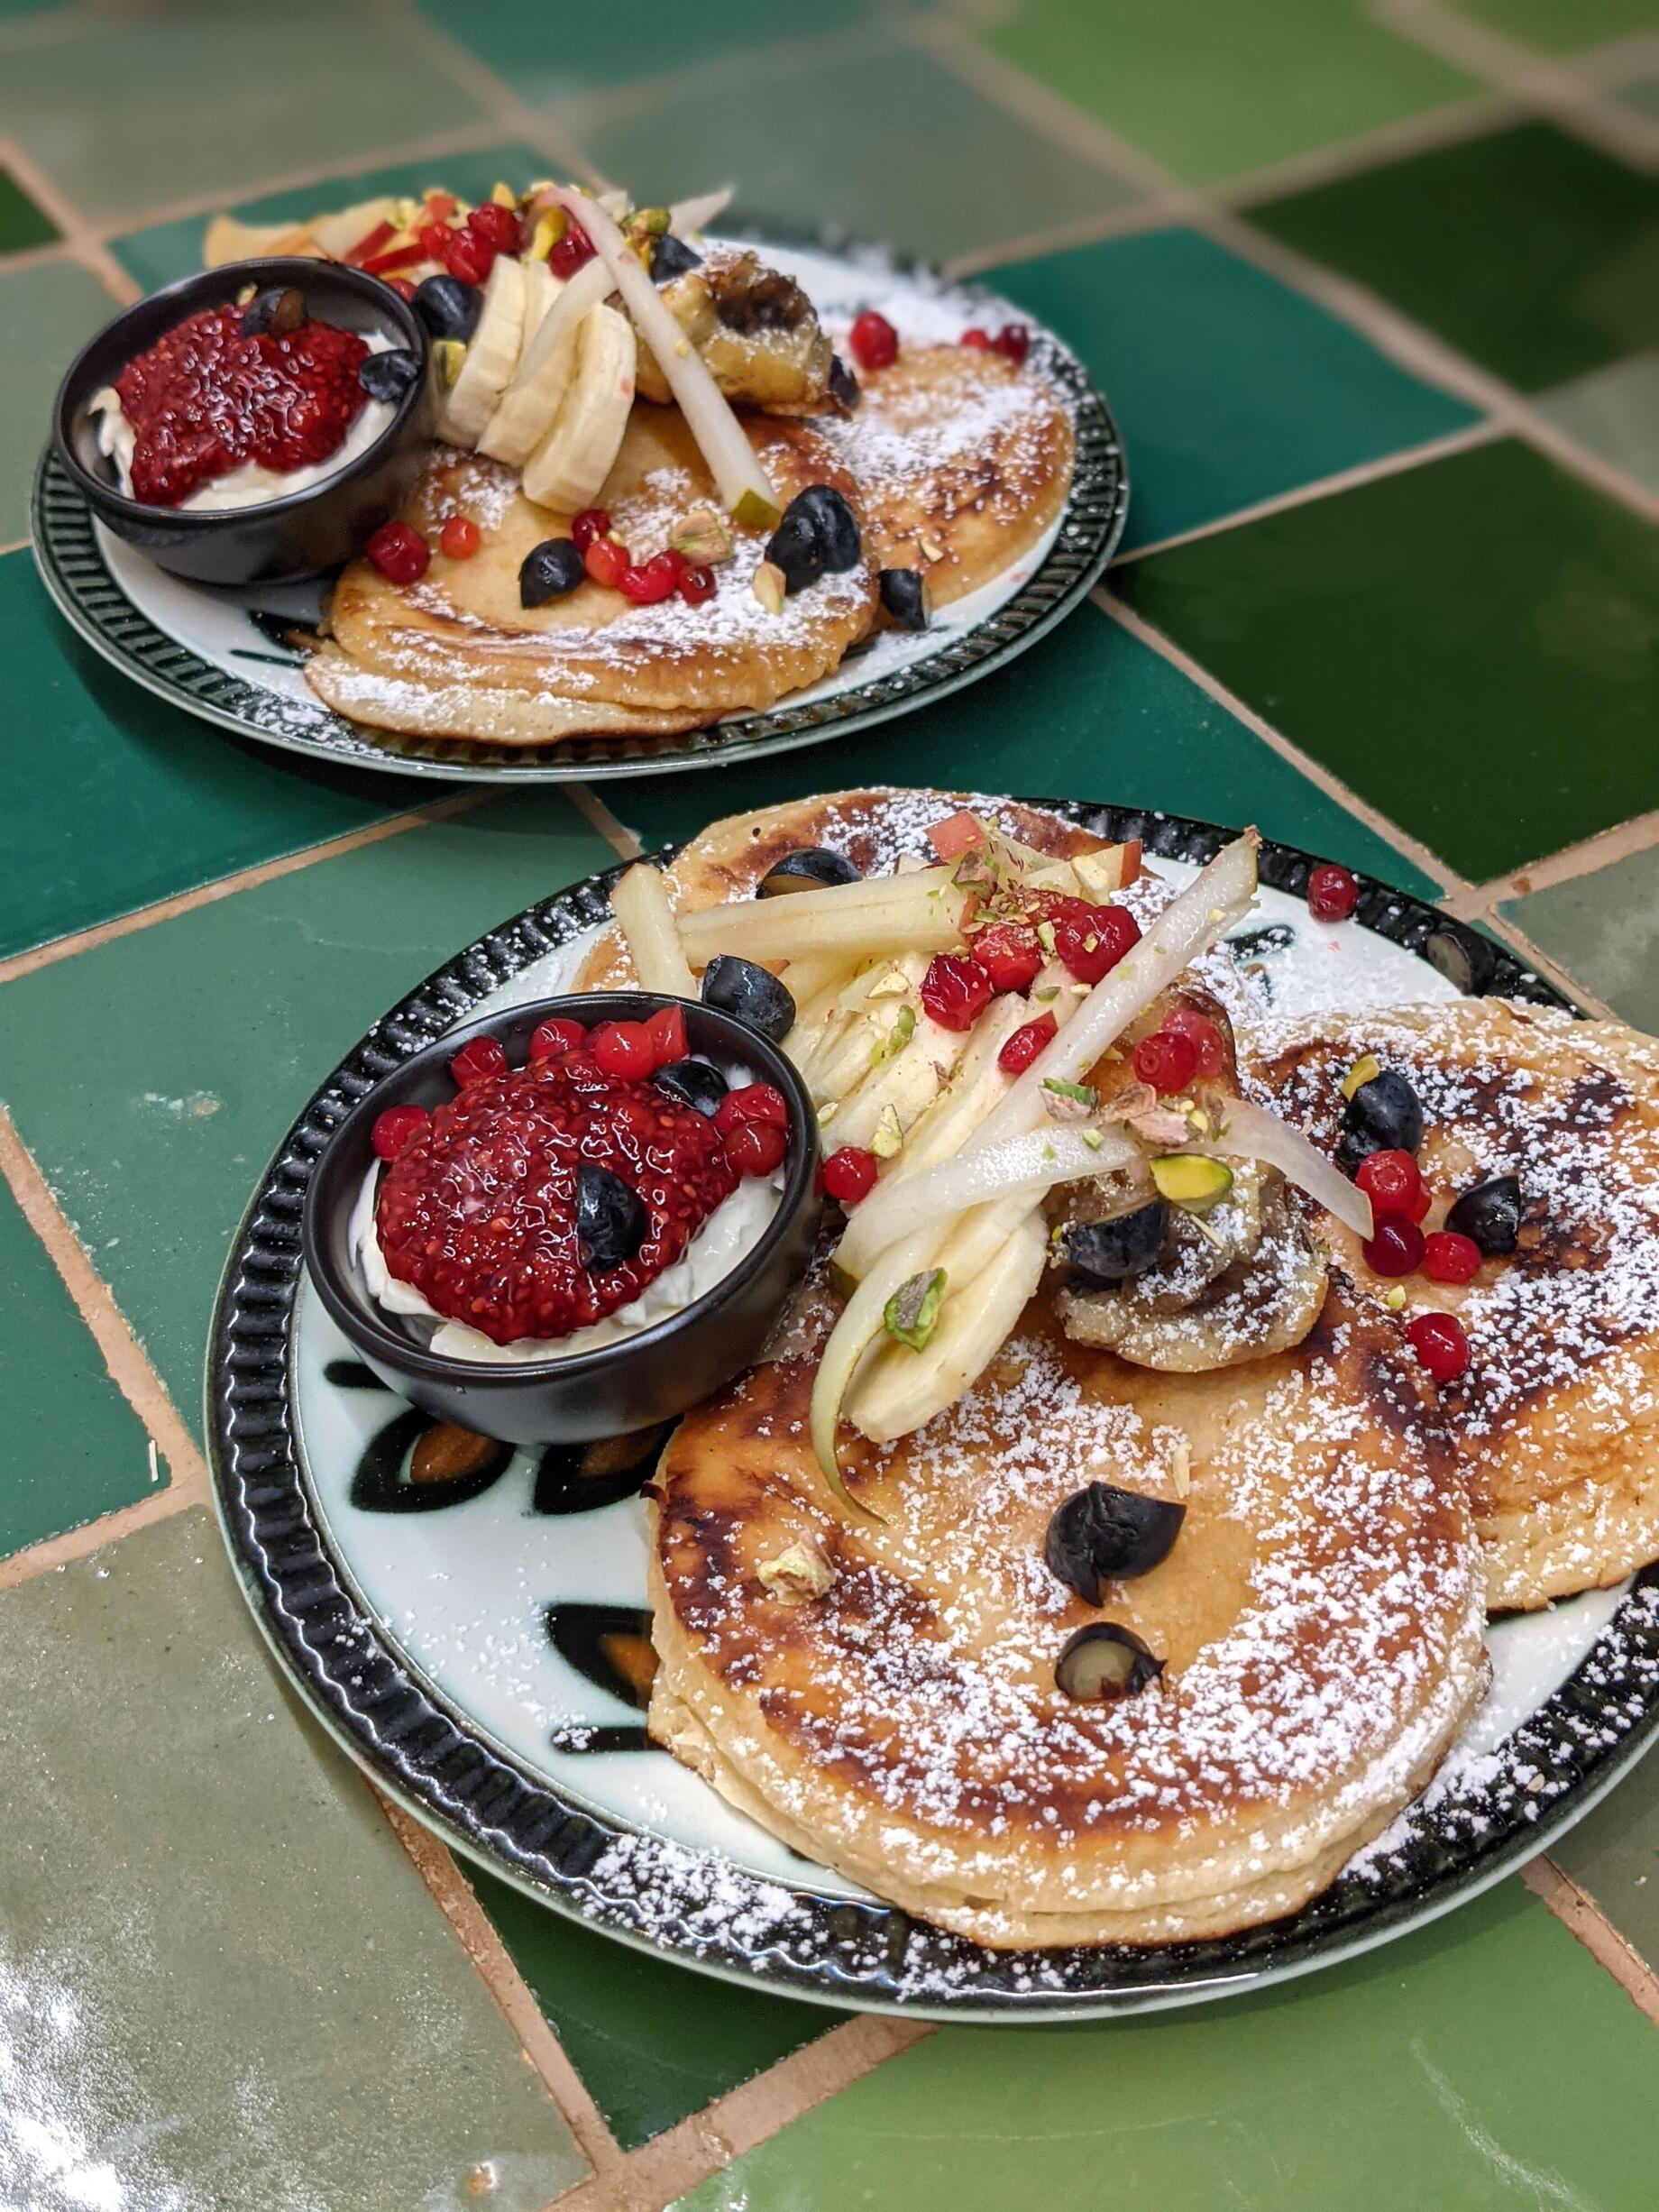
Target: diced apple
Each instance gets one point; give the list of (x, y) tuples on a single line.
[(957, 834)]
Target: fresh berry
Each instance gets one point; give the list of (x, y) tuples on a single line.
[(448, 307), (904, 596), (610, 1221), (695, 1083), (1010, 955), (1385, 1114), (1396, 1248), (656, 580), (551, 1038), (468, 257), (403, 286), (1333, 892), (756, 1148), (1126, 1245), (1489, 1215), (875, 342), (623, 1049), (1012, 341), (550, 570), (675, 559), (817, 536), (399, 552), (607, 562), (1439, 1341), (666, 1030), (388, 375), (573, 250), (980, 340), (1167, 1061), (696, 585), (393, 1129), (460, 537), (749, 993), (849, 1174), (477, 1063), (752, 1102), (1092, 939), (1448, 1257), (954, 991), (1394, 1184), (1027, 1042), (1205, 1038), (590, 523), (497, 225)]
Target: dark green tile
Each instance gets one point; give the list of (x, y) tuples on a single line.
[(652, 2041), (1487, 2064), (74, 1448), (153, 1076), (1532, 252), (1470, 646), (1613, 1853), (888, 146), (1089, 712), (51, 309), (21, 222), (114, 799), (1603, 929), (163, 251), (1228, 386)]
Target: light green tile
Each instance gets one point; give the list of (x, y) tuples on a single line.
[(55, 308), (224, 1987), (1616, 413), (1561, 26), (1603, 929), (1614, 1855), (1642, 96)]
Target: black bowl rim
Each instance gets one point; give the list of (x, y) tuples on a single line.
[(230, 276), (365, 1327)]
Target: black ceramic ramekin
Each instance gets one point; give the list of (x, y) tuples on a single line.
[(637, 1381), (306, 532)]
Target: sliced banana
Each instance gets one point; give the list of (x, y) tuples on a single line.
[(547, 366), (541, 288), (568, 468), (491, 356)]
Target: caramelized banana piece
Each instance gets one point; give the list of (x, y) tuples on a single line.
[(755, 329)]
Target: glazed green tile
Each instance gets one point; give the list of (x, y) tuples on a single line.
[(889, 146), (1562, 26), (1642, 96), (74, 1448), (222, 1982), (1089, 712), (1485, 2064), (1532, 252), (58, 305), (1469, 644), (652, 2041), (138, 109), (1213, 89), (21, 222), (115, 799), (1616, 414), (1604, 930), (153, 1076), (1613, 1854), (161, 251), (1228, 386)]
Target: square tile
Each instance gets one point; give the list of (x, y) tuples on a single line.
[(134, 801), (21, 222), (1615, 412), (1532, 252), (152, 1077), (60, 306), (135, 109), (623, 2017), (1484, 2062), (890, 146), (74, 1448), (222, 1982), (1469, 644), (1613, 1854), (1212, 89), (1561, 26), (1089, 712), (1644, 94), (1228, 386), (1604, 930)]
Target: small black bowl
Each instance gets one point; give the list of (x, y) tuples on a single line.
[(635, 1382), (304, 533)]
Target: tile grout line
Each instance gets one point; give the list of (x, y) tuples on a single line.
[(225, 886), (1638, 833), (1551, 970), (599, 816), (1579, 1913), (481, 83), (81, 241), (453, 1895)]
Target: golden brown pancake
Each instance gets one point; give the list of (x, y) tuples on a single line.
[(1556, 1423)]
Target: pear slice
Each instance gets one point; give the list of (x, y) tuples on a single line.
[(337, 235), (569, 467), (227, 239), (491, 356)]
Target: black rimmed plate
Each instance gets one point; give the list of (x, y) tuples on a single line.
[(475, 1644), (227, 656)]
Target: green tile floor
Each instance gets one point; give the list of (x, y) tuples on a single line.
[(1372, 286)]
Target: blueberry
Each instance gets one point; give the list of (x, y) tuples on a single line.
[(904, 595), (388, 376), (819, 536), (693, 1083), (673, 258), (1105, 1534), (1111, 1251), (1463, 957), (843, 383), (448, 307), (1384, 1116), (814, 867), (550, 570), (1489, 1215), (1103, 1661), (741, 988), (274, 312), (612, 1220)]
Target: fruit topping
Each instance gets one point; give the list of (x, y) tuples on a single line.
[(843, 385), (590, 523), (460, 538), (607, 562), (750, 994), (811, 868), (498, 227), (468, 258), (874, 341), (1462, 956), (1091, 940), (276, 312), (672, 257), (955, 991), (478, 1062), (1439, 1341), (1384, 1115), (695, 1083), (610, 1221), (756, 1148), (648, 583), (1205, 1038), (850, 1175), (558, 1035), (697, 584), (977, 341), (819, 536), (666, 1028), (1114, 1250), (399, 552), (1394, 1184), (393, 1129), (1396, 1248), (449, 308), (1027, 1042), (625, 1048), (752, 1102), (1011, 955), (1448, 1257), (1333, 892), (904, 596), (1489, 1215), (1102, 1662), (1105, 1534), (571, 252), (388, 376), (1167, 1059), (1192, 1182), (1012, 341)]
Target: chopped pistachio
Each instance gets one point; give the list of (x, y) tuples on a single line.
[(1394, 1299), (755, 514), (702, 536), (652, 221), (1363, 1071), (828, 1112), (1045, 937), (932, 550), (1049, 991), (769, 586), (800, 1571), (888, 1139), (911, 1314), (448, 353), (1091, 1138), (898, 1037), (894, 984), (1062, 1090), (1191, 1180)]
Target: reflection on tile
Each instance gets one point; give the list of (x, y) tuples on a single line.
[(1469, 644), (73, 1447), (1534, 254), (153, 1076), (50, 311), (1616, 413), (1485, 2061), (1228, 387), (1604, 931), (917, 160), (1613, 1853), (624, 2018), (21, 222), (223, 1985), (1213, 89)]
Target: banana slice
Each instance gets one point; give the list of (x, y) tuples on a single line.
[(491, 356), (568, 468), (546, 367), (541, 288)]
